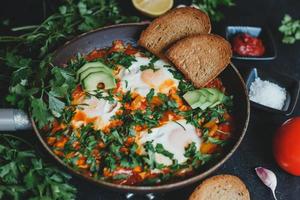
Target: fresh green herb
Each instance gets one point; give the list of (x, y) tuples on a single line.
[(150, 65), (217, 141), (150, 95), (127, 97), (159, 148), (184, 86), (190, 150), (201, 159), (23, 175), (121, 58), (27, 57), (176, 74), (120, 176), (211, 7), (150, 160), (107, 95), (110, 162), (291, 29), (196, 157), (144, 118)]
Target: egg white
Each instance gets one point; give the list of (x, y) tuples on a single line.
[(100, 109), (141, 82), (175, 138)]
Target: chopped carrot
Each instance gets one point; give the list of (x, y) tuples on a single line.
[(118, 46), (224, 127), (77, 93), (213, 130), (115, 123), (81, 163), (76, 145), (59, 153), (210, 124), (130, 50), (208, 148), (156, 101), (129, 141), (51, 140), (61, 143), (177, 99), (101, 145), (70, 155), (106, 172), (138, 128), (137, 169), (96, 54), (124, 150), (57, 126)]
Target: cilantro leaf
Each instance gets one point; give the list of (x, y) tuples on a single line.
[(160, 149), (290, 28), (23, 175), (40, 112)]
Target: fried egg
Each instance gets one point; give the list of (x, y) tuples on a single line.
[(135, 80), (175, 138), (96, 111)]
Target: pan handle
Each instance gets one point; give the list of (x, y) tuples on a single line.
[(14, 120)]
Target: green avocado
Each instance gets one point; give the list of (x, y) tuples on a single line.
[(204, 98), (98, 80), (90, 70), (89, 65)]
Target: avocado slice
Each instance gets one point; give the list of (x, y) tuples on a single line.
[(205, 105), (85, 73), (214, 95), (93, 65), (192, 97), (204, 98), (98, 80)]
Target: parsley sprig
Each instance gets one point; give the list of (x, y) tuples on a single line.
[(211, 7), (23, 175), (27, 57), (290, 28)]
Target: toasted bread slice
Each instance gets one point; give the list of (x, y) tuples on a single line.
[(221, 187), (201, 58), (173, 26)]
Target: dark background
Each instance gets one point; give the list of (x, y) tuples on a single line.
[(256, 149)]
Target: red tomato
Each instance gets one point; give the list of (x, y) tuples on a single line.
[(286, 146)]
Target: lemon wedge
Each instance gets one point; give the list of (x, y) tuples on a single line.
[(153, 8)]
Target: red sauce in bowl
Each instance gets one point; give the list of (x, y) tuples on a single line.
[(246, 45)]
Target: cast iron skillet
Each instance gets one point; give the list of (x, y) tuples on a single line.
[(129, 33)]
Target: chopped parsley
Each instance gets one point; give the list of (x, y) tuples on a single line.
[(121, 58), (150, 65)]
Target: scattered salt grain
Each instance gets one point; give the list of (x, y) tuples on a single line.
[(267, 93)]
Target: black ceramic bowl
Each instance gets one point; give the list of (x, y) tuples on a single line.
[(261, 32), (291, 85)]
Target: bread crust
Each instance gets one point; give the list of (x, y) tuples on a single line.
[(174, 25), (225, 187), (201, 58)]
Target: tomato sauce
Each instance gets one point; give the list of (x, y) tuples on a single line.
[(246, 45)]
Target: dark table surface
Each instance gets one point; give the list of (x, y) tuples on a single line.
[(255, 149)]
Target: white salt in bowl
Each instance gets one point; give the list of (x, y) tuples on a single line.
[(291, 86)]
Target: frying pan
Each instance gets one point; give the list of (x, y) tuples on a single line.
[(12, 119)]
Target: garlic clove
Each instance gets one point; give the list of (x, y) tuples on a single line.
[(268, 178)]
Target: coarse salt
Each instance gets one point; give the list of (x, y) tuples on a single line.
[(267, 93)]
